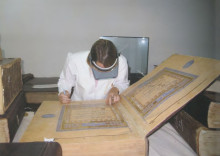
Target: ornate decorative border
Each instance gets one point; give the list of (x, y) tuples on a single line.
[(89, 116), (149, 95)]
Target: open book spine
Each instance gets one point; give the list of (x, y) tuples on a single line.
[(202, 140), (187, 127)]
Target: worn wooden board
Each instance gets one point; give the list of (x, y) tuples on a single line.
[(164, 91), (4, 131), (204, 141), (83, 129), (10, 82), (11, 120), (144, 106), (208, 142), (214, 115), (188, 128)]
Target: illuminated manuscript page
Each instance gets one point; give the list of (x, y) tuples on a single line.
[(164, 91)]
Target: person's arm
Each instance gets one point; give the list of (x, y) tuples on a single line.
[(113, 96), (121, 83), (66, 81), (64, 97)]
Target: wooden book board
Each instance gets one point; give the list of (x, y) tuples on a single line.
[(11, 119), (204, 141), (93, 128), (10, 82)]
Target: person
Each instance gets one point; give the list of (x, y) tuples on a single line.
[(100, 73)]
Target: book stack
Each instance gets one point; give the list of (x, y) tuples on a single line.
[(11, 98), (199, 122)]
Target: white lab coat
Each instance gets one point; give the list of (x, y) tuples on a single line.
[(78, 74)]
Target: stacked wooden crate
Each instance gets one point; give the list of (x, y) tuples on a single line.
[(199, 122), (11, 98)]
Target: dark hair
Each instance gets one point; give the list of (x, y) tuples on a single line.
[(104, 51)]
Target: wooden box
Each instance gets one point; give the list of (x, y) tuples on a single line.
[(10, 81), (94, 128), (11, 120)]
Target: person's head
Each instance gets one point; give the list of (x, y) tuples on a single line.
[(104, 52), (103, 58)]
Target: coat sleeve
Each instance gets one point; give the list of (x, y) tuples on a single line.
[(122, 81), (67, 77)]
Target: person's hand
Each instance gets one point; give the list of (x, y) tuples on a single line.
[(64, 98), (113, 96)]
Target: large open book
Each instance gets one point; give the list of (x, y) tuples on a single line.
[(93, 128)]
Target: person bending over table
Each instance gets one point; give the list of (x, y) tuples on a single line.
[(100, 73)]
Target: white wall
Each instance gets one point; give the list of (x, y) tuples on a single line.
[(41, 32)]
